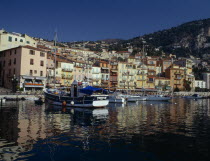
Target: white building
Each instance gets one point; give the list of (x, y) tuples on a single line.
[(200, 84), (96, 76), (13, 40), (206, 78)]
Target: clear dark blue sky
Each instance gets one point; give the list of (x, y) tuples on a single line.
[(97, 19)]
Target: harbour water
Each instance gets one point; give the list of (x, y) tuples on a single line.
[(145, 131)]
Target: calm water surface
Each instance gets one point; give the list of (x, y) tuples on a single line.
[(144, 131)]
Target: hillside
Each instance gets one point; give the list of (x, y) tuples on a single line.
[(192, 38)]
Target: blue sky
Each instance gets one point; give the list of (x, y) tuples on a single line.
[(77, 20)]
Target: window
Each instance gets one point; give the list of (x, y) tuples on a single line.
[(41, 73), (15, 39), (31, 72), (10, 38), (150, 79), (14, 71), (10, 62), (32, 52), (41, 63), (35, 71), (21, 40), (15, 52), (28, 42), (15, 61), (9, 71), (31, 61), (4, 64), (42, 54), (10, 52)]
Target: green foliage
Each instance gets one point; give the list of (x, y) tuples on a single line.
[(176, 89), (198, 72)]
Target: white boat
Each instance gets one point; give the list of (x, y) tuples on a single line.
[(136, 98), (157, 98), (32, 98), (116, 98)]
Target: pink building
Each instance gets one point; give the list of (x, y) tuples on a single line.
[(25, 63)]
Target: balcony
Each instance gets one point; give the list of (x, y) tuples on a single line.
[(95, 72), (141, 73), (141, 79), (96, 79), (178, 78), (67, 77), (67, 70), (114, 70), (105, 71), (131, 74), (177, 73), (104, 82)]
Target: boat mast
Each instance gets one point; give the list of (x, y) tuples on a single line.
[(109, 72), (55, 38), (88, 69), (143, 67)]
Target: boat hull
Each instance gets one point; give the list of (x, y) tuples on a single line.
[(86, 101), (156, 98), (116, 100)]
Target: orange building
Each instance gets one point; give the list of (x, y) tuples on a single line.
[(176, 75)]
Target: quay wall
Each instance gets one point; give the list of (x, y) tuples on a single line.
[(204, 94), (21, 96)]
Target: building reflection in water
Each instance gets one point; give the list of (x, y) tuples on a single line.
[(22, 125)]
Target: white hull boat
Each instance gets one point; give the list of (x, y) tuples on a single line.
[(157, 98), (116, 99), (136, 98)]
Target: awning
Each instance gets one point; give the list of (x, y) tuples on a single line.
[(114, 71), (89, 90), (40, 78), (28, 77)]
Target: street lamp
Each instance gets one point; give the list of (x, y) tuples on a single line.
[(14, 84)]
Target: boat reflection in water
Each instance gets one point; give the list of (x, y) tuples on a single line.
[(82, 116)]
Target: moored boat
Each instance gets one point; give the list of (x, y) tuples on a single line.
[(194, 96), (78, 97), (157, 98)]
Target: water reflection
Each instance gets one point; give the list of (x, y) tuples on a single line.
[(154, 129)]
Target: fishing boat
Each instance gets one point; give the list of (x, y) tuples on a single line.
[(79, 96)]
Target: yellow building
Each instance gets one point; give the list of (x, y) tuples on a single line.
[(162, 83), (127, 75), (176, 74), (141, 76), (67, 69)]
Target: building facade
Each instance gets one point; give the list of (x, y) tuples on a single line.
[(26, 64), (12, 40)]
